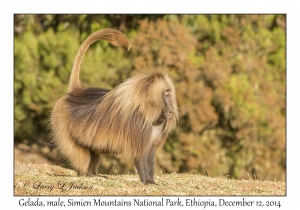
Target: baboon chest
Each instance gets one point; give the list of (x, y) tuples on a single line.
[(156, 133)]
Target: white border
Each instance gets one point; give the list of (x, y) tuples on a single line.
[(8, 8)]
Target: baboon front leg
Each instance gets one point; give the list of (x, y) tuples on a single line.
[(145, 166), (141, 167), (150, 164), (94, 163)]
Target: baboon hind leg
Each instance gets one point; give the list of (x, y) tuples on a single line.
[(78, 157), (94, 163)]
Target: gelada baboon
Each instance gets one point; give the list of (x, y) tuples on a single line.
[(134, 118)]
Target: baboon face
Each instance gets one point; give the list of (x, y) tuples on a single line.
[(168, 110)]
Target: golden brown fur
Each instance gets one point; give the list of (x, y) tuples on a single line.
[(130, 119)]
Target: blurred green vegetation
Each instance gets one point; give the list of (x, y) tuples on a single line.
[(229, 72)]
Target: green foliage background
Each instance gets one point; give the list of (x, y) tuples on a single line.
[(229, 72)]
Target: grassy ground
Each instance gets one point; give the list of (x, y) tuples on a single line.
[(43, 179)]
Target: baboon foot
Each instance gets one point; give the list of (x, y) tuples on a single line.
[(150, 182)]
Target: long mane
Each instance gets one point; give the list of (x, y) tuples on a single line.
[(125, 115)]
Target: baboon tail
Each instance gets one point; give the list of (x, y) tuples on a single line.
[(113, 36)]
